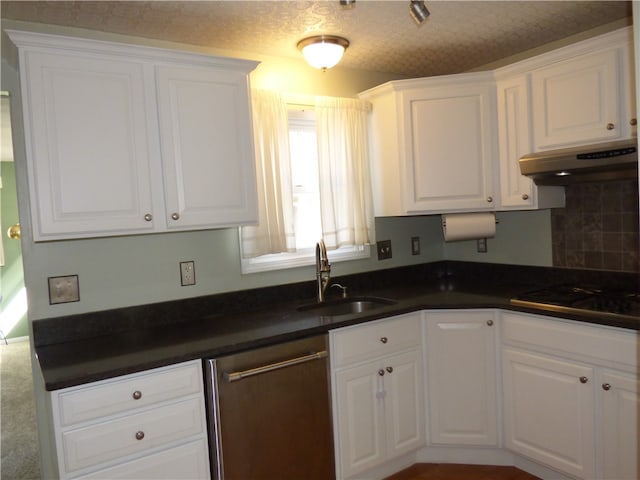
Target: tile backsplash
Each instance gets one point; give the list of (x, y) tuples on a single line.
[(598, 228)]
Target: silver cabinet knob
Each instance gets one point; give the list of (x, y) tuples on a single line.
[(633, 122), (137, 395), (610, 126), (584, 379), (175, 216), (490, 323), (381, 372), (525, 196), (606, 386), (384, 339), (139, 435), (489, 199), (148, 217), (389, 369)]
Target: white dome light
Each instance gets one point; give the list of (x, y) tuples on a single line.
[(323, 51)]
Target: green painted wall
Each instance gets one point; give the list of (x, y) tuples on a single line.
[(11, 274)]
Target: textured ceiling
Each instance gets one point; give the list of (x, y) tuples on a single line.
[(458, 36)]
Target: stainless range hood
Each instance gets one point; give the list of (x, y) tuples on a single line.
[(616, 160)]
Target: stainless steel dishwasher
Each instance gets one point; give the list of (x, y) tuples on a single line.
[(269, 413)]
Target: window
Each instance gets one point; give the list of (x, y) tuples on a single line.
[(294, 208)]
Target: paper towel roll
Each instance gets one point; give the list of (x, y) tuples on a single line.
[(468, 226)]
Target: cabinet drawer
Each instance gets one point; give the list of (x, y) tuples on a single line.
[(101, 399), (600, 344), (84, 447), (361, 342), (190, 461)]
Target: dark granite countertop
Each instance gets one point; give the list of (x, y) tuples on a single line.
[(84, 348)]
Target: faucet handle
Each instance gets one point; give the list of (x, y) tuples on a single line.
[(344, 289)]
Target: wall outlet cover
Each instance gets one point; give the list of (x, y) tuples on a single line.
[(384, 249), (415, 245), (63, 289), (187, 273)]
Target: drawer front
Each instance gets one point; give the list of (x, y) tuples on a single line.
[(586, 342), (88, 446), (371, 340), (186, 462), (79, 404)]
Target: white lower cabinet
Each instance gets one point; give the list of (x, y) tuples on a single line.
[(145, 425), (620, 415), (571, 395), (549, 407), (378, 396), (461, 358)]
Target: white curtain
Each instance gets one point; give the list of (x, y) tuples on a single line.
[(345, 186), (274, 233)]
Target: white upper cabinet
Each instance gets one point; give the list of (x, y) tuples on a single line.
[(439, 156), (582, 93), (205, 133), (514, 137), (122, 139)]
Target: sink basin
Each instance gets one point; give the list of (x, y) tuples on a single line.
[(346, 306)]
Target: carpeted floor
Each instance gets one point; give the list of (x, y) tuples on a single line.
[(18, 440)]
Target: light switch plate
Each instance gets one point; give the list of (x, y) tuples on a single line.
[(63, 289)]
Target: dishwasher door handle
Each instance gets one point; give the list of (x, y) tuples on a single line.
[(235, 376)]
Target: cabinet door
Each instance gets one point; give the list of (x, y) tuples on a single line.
[(207, 150), (403, 402), (88, 147), (461, 378), (360, 418), (449, 138), (549, 411), (577, 101), (620, 414)]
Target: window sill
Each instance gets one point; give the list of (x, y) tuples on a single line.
[(282, 261)]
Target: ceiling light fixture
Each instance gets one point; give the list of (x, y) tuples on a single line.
[(347, 4), (418, 11), (323, 51)]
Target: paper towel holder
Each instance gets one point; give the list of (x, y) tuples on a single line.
[(444, 222)]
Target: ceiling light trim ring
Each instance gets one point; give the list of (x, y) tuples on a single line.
[(323, 51)]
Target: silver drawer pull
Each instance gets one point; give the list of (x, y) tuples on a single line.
[(137, 395), (235, 376), (139, 435), (584, 379), (389, 369), (384, 339)]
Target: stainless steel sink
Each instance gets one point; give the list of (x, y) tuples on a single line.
[(346, 306)]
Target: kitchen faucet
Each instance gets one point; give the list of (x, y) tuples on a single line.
[(323, 269)]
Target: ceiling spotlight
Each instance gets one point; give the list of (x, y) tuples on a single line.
[(418, 11), (323, 51), (347, 4)]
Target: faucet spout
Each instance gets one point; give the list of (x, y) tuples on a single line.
[(323, 270)]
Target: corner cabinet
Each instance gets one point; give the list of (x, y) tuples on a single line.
[(123, 139), (461, 355), (378, 393), (144, 425), (434, 142)]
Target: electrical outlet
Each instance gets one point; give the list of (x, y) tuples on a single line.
[(415, 245), (482, 245), (187, 273), (384, 249), (63, 289)]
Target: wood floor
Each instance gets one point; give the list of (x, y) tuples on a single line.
[(441, 471)]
